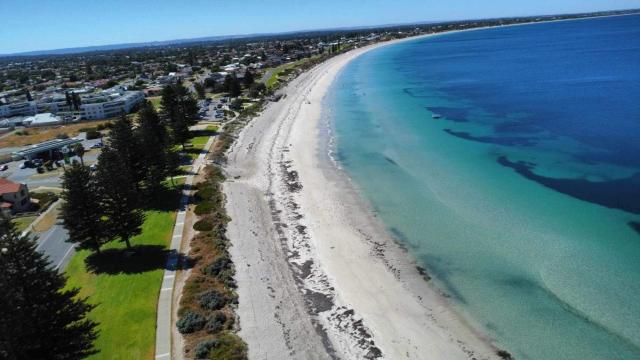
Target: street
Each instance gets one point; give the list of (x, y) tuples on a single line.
[(53, 244)]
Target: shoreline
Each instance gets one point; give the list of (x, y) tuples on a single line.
[(319, 276)]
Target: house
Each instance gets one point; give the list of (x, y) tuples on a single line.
[(14, 197)]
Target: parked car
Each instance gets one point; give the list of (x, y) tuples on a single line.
[(37, 162), (96, 145), (93, 167), (4, 167)]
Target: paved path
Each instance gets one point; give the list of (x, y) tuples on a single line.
[(53, 243), (163, 323)]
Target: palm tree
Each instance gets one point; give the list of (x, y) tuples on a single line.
[(79, 150)]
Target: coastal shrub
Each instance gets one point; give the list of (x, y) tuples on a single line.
[(204, 347), (216, 322), (93, 134), (229, 347), (88, 129), (213, 300), (218, 265), (205, 207), (205, 193), (227, 277), (203, 225), (190, 322)]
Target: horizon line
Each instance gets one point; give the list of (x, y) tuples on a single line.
[(213, 38)]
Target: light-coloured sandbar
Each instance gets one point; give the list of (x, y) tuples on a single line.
[(318, 275)]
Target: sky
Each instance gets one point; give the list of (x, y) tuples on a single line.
[(27, 25)]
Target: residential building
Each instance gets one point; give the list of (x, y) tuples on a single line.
[(14, 197)]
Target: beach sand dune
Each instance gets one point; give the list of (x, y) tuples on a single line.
[(318, 276)]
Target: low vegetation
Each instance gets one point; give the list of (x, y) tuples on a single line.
[(39, 134), (206, 314)]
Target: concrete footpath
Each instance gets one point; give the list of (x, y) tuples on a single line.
[(164, 311)]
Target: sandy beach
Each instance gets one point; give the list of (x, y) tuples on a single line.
[(318, 276)]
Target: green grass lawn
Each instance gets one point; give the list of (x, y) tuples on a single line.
[(155, 101), (22, 223), (126, 288)]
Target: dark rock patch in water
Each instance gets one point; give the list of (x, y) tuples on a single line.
[(622, 194), (497, 140)]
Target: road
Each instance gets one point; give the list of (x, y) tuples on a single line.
[(53, 244)]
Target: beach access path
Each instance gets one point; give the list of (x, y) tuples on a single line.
[(318, 276)]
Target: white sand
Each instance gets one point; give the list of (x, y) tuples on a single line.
[(318, 276)]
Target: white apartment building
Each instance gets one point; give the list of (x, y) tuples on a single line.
[(109, 103)]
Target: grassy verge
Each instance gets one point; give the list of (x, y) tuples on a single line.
[(23, 222), (155, 101), (126, 287), (48, 220)]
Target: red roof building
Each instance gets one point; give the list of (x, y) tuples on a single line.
[(14, 197)]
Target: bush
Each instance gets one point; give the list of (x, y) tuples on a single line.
[(205, 207), (229, 347), (205, 193), (218, 265), (62, 136), (93, 134), (204, 347), (216, 322), (190, 322), (213, 300), (203, 225)]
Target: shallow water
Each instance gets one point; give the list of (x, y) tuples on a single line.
[(523, 200)]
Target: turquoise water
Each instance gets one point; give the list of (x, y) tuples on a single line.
[(523, 199)]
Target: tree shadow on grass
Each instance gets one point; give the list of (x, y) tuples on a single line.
[(167, 199), (139, 259), (197, 133)]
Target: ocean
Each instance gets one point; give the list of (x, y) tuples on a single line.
[(507, 161)]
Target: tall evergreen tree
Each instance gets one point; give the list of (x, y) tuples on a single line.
[(39, 318), (232, 85), (124, 142), (180, 110), (120, 198), (168, 103), (249, 78), (81, 210), (156, 146)]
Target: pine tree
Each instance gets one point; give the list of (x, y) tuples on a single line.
[(124, 142), (119, 197), (39, 318), (81, 210), (156, 146), (248, 78), (168, 103), (232, 85), (180, 110)]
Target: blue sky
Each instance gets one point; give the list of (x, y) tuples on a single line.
[(27, 25)]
